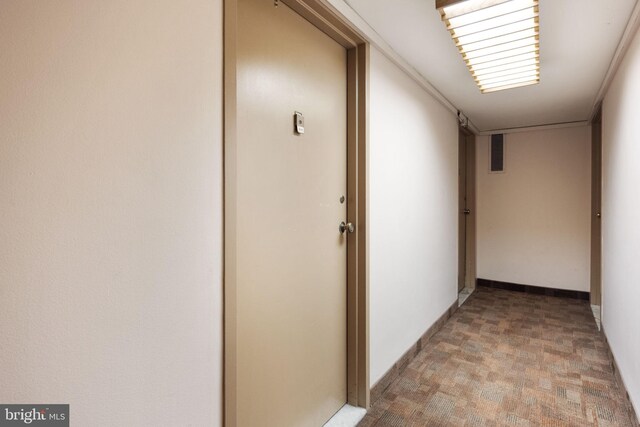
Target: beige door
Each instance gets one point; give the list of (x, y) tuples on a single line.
[(291, 257), (466, 210), (462, 207), (596, 198), (470, 216)]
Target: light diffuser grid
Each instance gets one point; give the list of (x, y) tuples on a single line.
[(498, 40)]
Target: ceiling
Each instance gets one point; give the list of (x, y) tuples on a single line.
[(578, 39)]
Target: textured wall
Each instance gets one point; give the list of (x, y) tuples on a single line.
[(533, 223), (110, 209), (413, 212), (620, 225)]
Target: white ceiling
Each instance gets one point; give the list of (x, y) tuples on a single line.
[(578, 39)]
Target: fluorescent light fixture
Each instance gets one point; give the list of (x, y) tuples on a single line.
[(498, 40)]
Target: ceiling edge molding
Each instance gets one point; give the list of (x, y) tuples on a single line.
[(342, 8), (474, 128), (536, 127), (629, 32)]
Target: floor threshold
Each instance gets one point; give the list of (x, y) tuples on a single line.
[(347, 416)]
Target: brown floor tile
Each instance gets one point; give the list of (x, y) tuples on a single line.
[(508, 359)]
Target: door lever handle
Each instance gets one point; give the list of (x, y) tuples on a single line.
[(346, 227), (467, 211)]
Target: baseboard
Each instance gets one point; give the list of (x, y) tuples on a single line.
[(394, 372), (538, 290), (616, 372)]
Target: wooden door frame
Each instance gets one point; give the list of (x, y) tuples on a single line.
[(470, 227), (357, 48)]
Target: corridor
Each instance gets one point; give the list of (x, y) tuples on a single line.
[(249, 213), (508, 358)]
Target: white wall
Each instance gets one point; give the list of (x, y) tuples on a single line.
[(110, 209), (533, 220), (413, 212), (620, 224)]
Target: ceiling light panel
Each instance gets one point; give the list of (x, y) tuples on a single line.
[(505, 72), (500, 68), (502, 62), (507, 83), (499, 31), (498, 40), (510, 86), (525, 74), (493, 41)]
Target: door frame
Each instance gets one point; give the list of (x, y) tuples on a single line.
[(470, 203), (357, 48)]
